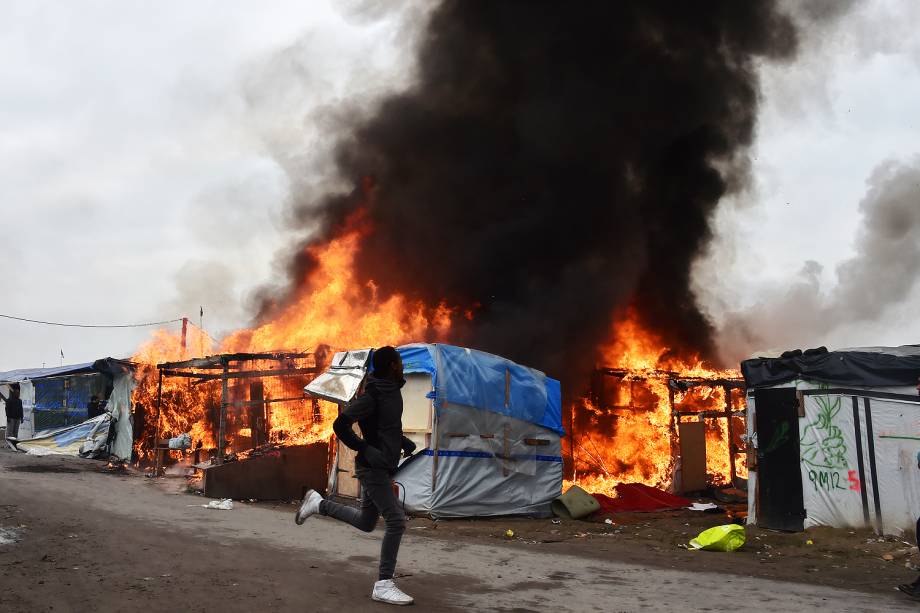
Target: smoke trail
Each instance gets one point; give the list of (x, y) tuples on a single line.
[(876, 280), (555, 162)]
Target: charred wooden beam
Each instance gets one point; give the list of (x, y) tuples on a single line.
[(243, 374), (218, 362), (252, 403)]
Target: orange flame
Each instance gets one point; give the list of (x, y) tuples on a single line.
[(630, 436), (330, 309), (333, 308), (626, 435)]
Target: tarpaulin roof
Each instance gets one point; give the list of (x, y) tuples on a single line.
[(103, 365), (863, 367), (489, 382)]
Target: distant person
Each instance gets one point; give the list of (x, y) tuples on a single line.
[(94, 408), (13, 413), (378, 413)]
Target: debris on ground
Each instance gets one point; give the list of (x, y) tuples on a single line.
[(727, 537), (575, 503), (224, 505), (183, 441), (703, 506), (8, 536)]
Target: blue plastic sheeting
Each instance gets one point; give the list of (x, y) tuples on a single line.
[(488, 382), (78, 433), (446, 453), (417, 358), (75, 394)]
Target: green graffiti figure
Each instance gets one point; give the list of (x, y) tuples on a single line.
[(821, 441)]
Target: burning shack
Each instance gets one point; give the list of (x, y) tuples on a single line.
[(681, 430), (676, 429), (250, 431)]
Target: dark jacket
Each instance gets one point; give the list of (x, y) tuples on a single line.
[(13, 408), (378, 413), (93, 409)]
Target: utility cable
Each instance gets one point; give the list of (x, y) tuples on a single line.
[(55, 323), (203, 331)]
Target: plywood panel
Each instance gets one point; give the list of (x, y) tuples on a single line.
[(346, 484), (692, 456), (417, 407)]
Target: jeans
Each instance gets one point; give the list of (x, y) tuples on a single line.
[(12, 427), (377, 498)]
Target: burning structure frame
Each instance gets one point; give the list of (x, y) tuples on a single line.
[(236, 367), (679, 414)]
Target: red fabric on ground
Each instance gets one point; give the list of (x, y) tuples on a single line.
[(635, 497)]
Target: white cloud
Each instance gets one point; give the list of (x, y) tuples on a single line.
[(139, 158)]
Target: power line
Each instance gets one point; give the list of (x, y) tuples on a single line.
[(203, 331), (55, 323)]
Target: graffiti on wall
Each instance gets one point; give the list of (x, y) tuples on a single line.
[(824, 450)]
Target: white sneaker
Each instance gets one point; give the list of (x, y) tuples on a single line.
[(308, 507), (386, 591)]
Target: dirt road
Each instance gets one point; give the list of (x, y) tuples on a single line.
[(73, 538)]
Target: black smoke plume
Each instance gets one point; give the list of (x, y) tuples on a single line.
[(556, 162)]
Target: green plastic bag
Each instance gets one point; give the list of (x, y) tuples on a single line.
[(720, 538)]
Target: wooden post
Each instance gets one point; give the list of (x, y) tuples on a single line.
[(674, 421), (317, 413), (222, 419), (675, 448), (572, 441), (184, 335), (731, 438), (258, 432), (156, 429)]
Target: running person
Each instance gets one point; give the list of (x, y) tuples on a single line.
[(378, 413)]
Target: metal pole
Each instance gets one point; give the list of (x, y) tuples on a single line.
[(223, 413)]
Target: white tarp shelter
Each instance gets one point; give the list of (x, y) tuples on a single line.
[(488, 431), (54, 403), (836, 436)]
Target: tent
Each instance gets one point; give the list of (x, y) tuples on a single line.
[(55, 402), (836, 436), (487, 428)]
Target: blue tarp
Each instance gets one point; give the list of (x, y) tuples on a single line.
[(108, 365), (489, 382), (24, 374)]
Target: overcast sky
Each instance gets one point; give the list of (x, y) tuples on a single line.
[(142, 153)]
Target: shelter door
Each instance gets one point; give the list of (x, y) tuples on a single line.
[(779, 477)]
